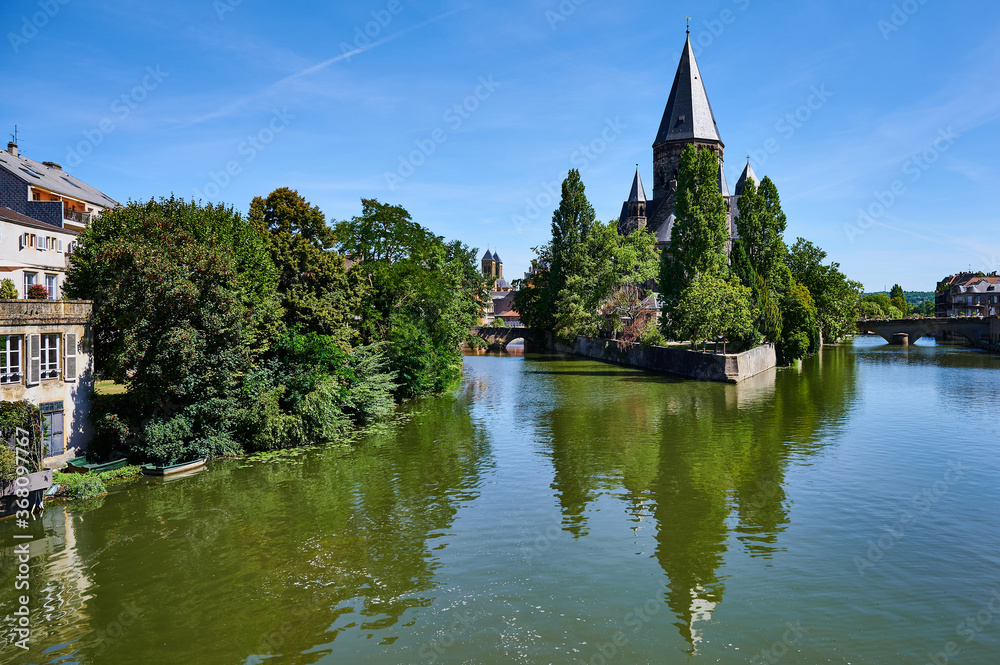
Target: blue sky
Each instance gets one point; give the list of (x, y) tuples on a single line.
[(893, 110)]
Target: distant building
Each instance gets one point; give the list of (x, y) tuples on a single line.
[(42, 211), (501, 304), (687, 120), (968, 294)]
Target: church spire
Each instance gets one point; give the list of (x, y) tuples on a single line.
[(688, 115), (638, 193), (747, 174)]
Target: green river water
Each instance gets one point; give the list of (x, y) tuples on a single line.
[(564, 511)]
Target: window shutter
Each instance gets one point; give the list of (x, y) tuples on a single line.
[(60, 245), (69, 372), (34, 359)]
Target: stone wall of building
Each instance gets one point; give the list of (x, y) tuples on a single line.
[(72, 397)]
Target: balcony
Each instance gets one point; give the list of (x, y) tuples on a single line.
[(77, 217)]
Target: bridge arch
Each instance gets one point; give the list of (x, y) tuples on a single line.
[(499, 337), (972, 330)]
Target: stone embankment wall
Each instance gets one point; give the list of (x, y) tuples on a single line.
[(730, 368)]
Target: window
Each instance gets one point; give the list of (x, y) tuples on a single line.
[(52, 284), (50, 357), (30, 279), (10, 359)]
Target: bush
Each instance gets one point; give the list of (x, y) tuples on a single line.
[(8, 464), (83, 486), (652, 336), (38, 292), (8, 291)]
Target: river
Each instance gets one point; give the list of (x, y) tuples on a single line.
[(564, 511)]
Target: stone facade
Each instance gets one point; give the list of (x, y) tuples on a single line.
[(45, 358)]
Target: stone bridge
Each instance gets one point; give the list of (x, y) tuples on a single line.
[(499, 337), (904, 331)]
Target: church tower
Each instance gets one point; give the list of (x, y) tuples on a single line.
[(687, 120)]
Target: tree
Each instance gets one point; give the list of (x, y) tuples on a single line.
[(711, 307), (836, 298), (317, 292), (898, 299), (761, 227), (8, 291), (423, 296), (800, 332), (700, 233), (184, 306)]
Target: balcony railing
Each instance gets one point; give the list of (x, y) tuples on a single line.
[(77, 216)]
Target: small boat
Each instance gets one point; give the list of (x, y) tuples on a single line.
[(170, 469), (80, 465)]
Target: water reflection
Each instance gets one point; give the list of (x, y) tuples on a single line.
[(705, 461)]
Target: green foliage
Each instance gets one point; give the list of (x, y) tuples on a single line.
[(898, 299), (836, 297), (423, 297), (317, 292), (8, 464), (698, 240), (585, 263), (652, 336), (26, 416), (800, 332), (761, 227), (711, 307), (82, 485), (8, 291)]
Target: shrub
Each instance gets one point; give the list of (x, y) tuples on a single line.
[(38, 292), (8, 464), (7, 290), (83, 485)]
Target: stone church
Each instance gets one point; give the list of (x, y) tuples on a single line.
[(687, 119)]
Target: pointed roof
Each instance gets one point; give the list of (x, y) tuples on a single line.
[(496, 257), (747, 174), (723, 185), (638, 194), (488, 256), (688, 114)]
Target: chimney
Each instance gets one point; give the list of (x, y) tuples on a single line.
[(52, 165), (12, 148)]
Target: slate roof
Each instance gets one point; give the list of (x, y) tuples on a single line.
[(24, 220), (638, 194), (688, 114), (488, 256), (53, 179), (747, 174), (496, 257)]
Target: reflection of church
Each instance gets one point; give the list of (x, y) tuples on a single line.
[(687, 119)]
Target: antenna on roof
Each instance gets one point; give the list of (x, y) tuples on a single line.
[(14, 135)]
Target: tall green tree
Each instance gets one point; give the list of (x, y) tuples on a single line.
[(423, 297), (700, 233), (761, 227), (836, 297), (317, 292), (898, 298), (184, 306)]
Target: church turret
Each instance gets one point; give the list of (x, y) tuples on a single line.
[(633, 215)]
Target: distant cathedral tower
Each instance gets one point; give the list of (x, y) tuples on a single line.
[(687, 120), (493, 267)]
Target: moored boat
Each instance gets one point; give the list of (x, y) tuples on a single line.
[(170, 469), (81, 465)]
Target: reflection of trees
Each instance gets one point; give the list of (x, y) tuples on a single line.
[(709, 458), (282, 557)]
